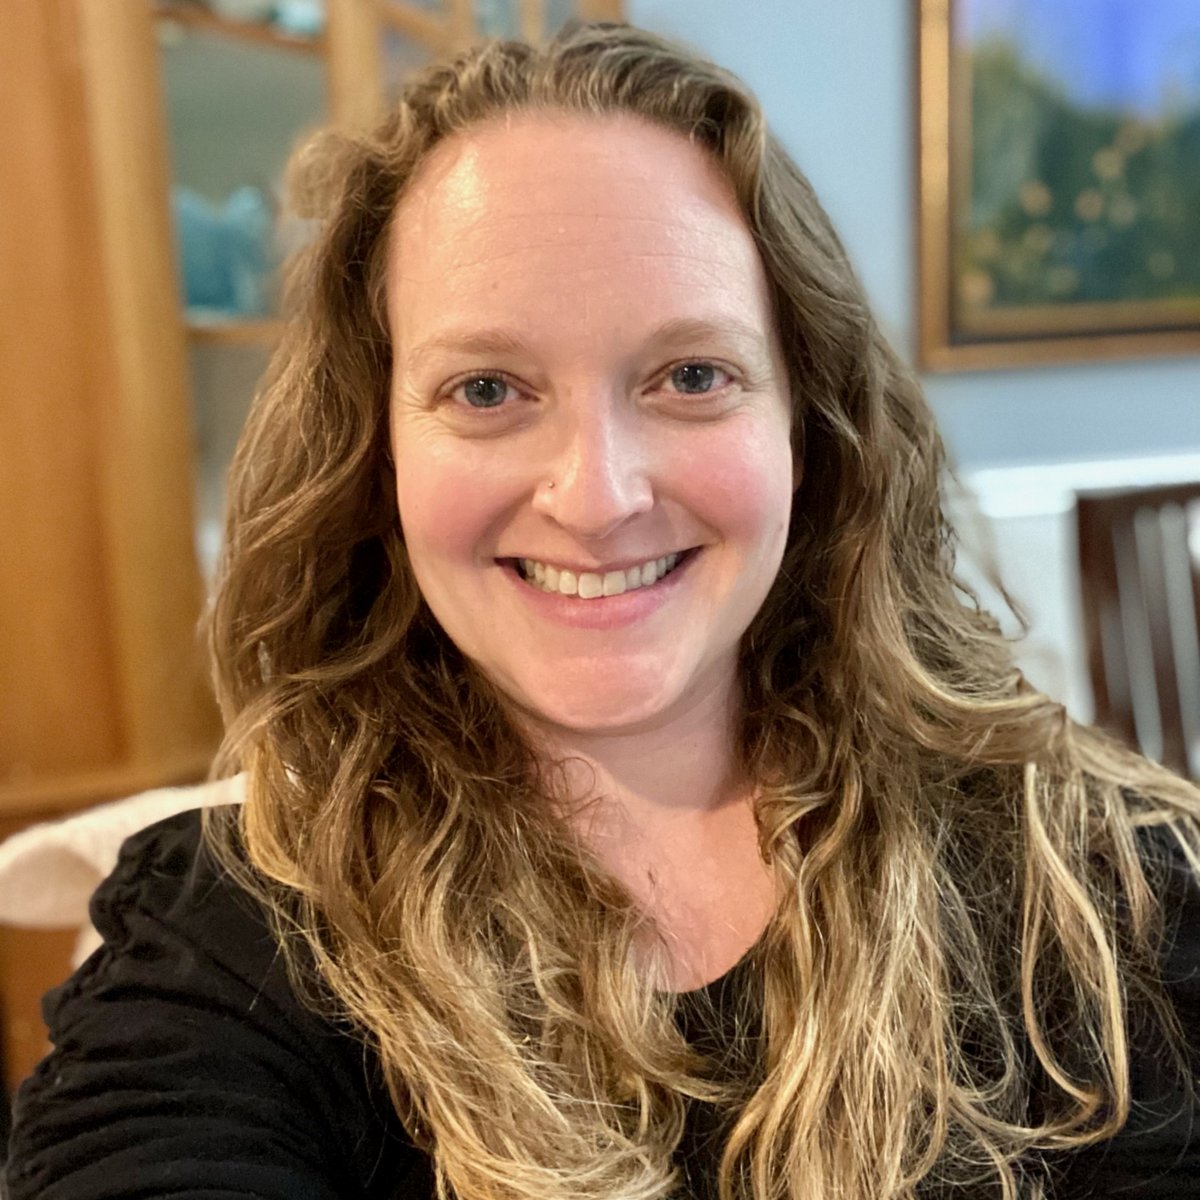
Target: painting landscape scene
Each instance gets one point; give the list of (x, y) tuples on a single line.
[(1076, 152)]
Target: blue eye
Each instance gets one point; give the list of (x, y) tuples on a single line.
[(694, 378), (484, 391)]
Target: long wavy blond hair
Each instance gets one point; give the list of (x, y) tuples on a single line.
[(968, 912)]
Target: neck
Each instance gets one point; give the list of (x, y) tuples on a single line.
[(674, 772), (665, 810)]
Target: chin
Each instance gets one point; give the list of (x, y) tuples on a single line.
[(604, 711)]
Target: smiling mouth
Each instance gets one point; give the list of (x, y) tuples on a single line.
[(591, 585)]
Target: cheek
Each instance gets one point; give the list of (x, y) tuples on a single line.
[(445, 506), (743, 487)]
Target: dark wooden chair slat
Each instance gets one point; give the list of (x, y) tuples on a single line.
[(1139, 558)]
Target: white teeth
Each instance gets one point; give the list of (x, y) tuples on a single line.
[(588, 585), (614, 583)]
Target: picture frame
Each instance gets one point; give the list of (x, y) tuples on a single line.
[(1058, 181)]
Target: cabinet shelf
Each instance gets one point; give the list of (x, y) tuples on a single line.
[(44, 796), (193, 16), (457, 23), (235, 331), (422, 26)]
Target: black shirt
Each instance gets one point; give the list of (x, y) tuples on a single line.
[(185, 1066)]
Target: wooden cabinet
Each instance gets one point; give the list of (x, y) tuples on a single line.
[(102, 687)]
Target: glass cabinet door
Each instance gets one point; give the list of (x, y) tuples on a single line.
[(239, 94)]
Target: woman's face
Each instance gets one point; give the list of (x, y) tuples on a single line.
[(587, 389)]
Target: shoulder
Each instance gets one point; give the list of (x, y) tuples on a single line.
[(1157, 1153), (181, 1051), (1175, 887), (176, 924), (168, 888)]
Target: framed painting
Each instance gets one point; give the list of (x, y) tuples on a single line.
[(1059, 180)]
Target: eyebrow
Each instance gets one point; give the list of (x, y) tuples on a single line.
[(467, 341), (685, 330), (675, 332)]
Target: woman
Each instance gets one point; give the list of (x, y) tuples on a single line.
[(638, 804)]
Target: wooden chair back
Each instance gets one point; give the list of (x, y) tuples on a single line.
[(1139, 558)]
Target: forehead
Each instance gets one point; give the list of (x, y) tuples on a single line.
[(537, 161), (545, 203)]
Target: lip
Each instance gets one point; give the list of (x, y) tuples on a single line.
[(605, 612)]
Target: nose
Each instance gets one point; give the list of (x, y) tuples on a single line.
[(598, 475)]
